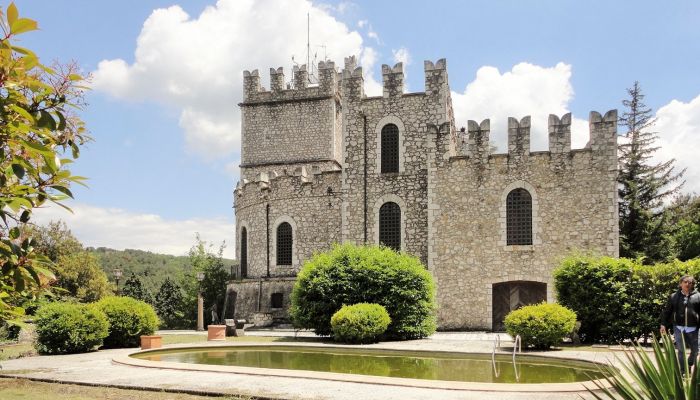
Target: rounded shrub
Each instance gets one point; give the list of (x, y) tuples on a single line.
[(540, 325), (360, 323), (349, 274), (64, 328), (128, 320)]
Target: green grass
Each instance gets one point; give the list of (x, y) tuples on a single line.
[(8, 352), (23, 389)]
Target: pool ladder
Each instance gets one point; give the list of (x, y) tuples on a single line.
[(517, 347)]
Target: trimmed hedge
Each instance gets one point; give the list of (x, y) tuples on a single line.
[(64, 328), (540, 325), (617, 299), (349, 274), (128, 320), (360, 323)]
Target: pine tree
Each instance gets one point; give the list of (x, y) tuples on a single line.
[(169, 305), (133, 287), (643, 184)]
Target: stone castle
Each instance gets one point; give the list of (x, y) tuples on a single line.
[(324, 163)]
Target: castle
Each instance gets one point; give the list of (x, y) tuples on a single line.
[(324, 163)]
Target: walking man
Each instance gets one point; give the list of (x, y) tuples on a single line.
[(682, 311)]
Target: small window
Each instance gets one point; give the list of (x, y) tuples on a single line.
[(519, 218), (244, 253), (284, 244), (390, 225), (276, 300), (390, 148)]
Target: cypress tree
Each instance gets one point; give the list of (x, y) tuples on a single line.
[(643, 183)]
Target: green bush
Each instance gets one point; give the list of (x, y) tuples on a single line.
[(617, 299), (360, 323), (349, 274), (128, 320), (540, 325), (64, 328)]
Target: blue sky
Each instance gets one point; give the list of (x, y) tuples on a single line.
[(167, 77)]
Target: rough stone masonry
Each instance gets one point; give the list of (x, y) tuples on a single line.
[(322, 163)]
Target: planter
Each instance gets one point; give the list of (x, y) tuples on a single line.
[(216, 332), (151, 342)]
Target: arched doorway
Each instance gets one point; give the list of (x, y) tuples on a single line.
[(509, 296)]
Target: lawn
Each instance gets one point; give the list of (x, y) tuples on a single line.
[(16, 389)]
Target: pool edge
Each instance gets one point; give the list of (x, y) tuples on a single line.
[(340, 377)]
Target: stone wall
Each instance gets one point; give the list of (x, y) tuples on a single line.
[(254, 296), (310, 203), (573, 207), (290, 125)]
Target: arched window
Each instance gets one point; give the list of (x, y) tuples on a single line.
[(390, 225), (284, 244), (390, 148), (244, 253), (519, 217)]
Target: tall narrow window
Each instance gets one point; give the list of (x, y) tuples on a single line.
[(390, 148), (284, 244), (390, 225), (244, 253), (519, 217)]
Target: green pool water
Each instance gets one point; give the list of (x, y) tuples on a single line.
[(404, 364)]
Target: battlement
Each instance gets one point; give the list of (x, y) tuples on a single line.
[(602, 131), (392, 79), (300, 175), (299, 89)]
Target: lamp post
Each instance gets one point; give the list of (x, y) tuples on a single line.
[(200, 303), (117, 274)]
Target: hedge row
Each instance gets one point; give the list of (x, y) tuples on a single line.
[(617, 299)]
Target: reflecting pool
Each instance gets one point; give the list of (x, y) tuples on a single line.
[(466, 367)]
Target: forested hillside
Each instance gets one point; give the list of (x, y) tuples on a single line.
[(151, 268)]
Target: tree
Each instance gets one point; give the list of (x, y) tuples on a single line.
[(684, 219), (39, 137), (643, 184), (54, 240), (80, 274), (213, 286), (133, 287), (169, 305)]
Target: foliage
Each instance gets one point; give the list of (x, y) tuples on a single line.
[(540, 325), (81, 276), (54, 240), (64, 328), (168, 305), (360, 323), (128, 320), (643, 185), (617, 299), (151, 268), (39, 137), (203, 259), (642, 378), (684, 219), (349, 274), (134, 288)]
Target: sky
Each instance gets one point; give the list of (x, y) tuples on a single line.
[(166, 78)]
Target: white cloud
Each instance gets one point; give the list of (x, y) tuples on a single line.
[(121, 229), (195, 64), (402, 55), (526, 89), (678, 125), (368, 60)]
